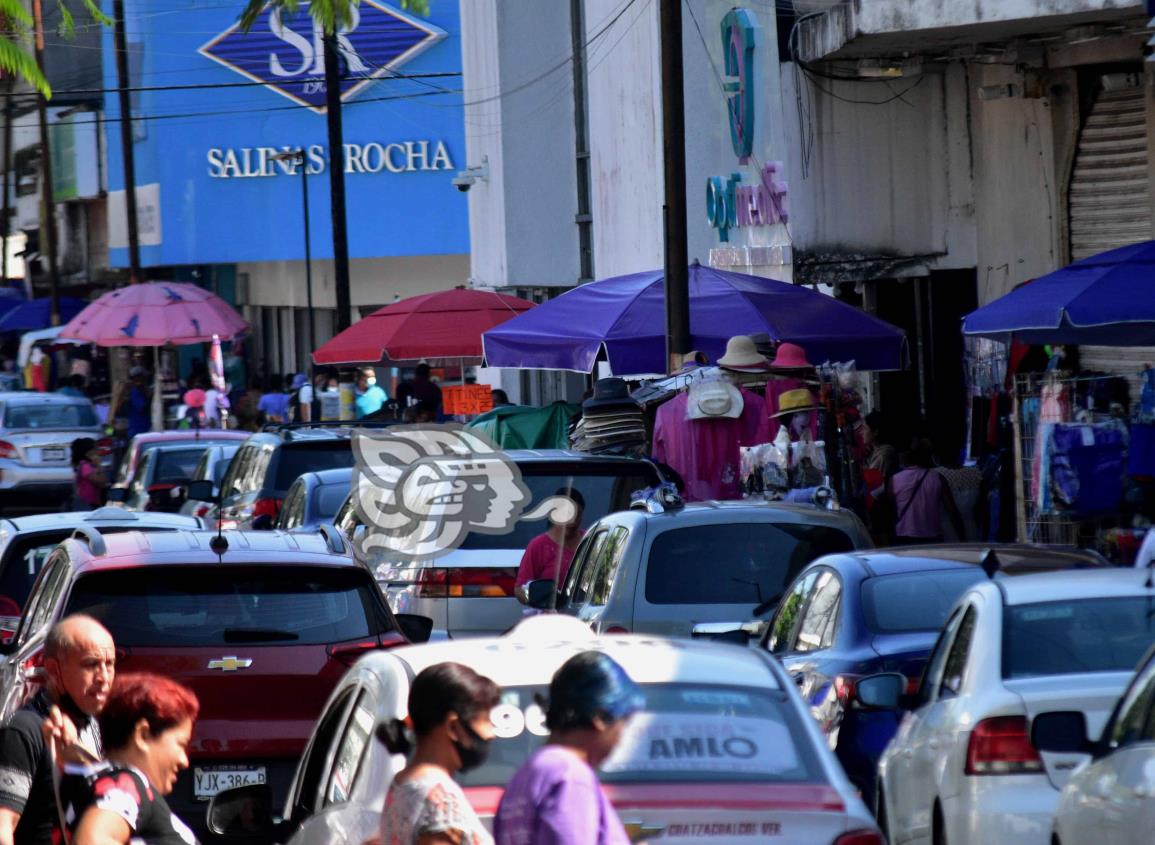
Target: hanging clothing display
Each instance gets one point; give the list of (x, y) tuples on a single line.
[(1087, 462)]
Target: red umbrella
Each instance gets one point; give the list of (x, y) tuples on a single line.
[(446, 324)]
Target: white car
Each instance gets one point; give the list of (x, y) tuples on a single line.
[(962, 768), (725, 751), (1109, 800)]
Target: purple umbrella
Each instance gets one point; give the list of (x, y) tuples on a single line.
[(625, 318)]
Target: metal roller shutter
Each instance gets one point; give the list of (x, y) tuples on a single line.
[(1109, 205)]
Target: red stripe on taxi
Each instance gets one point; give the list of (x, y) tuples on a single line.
[(799, 798)]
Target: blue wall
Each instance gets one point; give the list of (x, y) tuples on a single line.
[(207, 219)]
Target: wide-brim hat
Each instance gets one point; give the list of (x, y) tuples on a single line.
[(742, 355), (714, 399), (609, 393), (790, 356), (795, 402)]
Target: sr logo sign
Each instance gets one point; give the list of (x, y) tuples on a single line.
[(285, 52)]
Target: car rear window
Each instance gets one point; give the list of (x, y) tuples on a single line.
[(49, 416), (606, 489), (328, 498), (734, 563), (208, 606), (176, 464), (686, 733), (295, 460), (1076, 635), (914, 601)]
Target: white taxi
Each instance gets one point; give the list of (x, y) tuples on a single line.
[(724, 751)]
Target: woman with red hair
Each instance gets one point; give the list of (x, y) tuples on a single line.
[(146, 727)]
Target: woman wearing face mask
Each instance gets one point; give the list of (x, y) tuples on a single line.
[(555, 797), (146, 726), (449, 708)]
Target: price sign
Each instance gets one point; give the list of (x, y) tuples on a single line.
[(467, 399)]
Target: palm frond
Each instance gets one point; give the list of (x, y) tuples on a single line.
[(67, 27), (96, 12), (330, 14), (16, 60), (14, 11)]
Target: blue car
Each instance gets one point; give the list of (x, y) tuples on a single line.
[(849, 615)]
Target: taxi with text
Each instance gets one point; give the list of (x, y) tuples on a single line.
[(723, 752)]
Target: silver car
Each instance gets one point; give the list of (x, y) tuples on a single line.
[(713, 569), (36, 434)]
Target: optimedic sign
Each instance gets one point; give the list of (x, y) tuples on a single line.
[(373, 157)]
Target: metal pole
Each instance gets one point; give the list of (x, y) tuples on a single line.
[(128, 156), (674, 211), (337, 180), (308, 252), (6, 224), (582, 143), (47, 190)]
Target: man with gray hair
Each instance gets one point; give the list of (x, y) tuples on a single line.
[(79, 664)]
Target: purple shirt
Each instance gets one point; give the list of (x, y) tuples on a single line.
[(555, 799), (917, 508)]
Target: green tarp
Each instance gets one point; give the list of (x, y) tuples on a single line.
[(526, 427)]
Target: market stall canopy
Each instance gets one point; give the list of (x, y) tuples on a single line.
[(527, 427), (156, 314), (625, 318), (35, 314), (1107, 300), (44, 337), (443, 325)]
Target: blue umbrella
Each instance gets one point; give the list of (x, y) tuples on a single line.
[(1107, 299), (37, 314), (625, 318)]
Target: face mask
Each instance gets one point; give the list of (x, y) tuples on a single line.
[(476, 753)]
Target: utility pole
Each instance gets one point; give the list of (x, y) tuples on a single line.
[(333, 74), (128, 154), (582, 142), (47, 191), (674, 210), (6, 223)]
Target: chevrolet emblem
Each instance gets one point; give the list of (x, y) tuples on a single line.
[(231, 663)]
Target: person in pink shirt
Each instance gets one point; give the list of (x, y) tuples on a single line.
[(918, 490), (90, 476), (549, 555)]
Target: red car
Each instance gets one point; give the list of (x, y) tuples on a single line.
[(144, 442), (262, 632)]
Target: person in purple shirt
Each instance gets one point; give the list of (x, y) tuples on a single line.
[(555, 798)]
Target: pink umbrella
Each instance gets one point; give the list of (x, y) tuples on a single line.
[(155, 314)]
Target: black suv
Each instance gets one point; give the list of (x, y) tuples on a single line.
[(267, 464)]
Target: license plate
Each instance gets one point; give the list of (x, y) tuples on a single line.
[(52, 454), (208, 782)]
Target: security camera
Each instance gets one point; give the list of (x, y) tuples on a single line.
[(463, 181)]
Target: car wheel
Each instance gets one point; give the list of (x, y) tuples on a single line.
[(939, 837)]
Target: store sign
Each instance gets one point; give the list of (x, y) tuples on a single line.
[(285, 51), (403, 157), (732, 202)]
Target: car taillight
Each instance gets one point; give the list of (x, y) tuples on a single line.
[(1002, 746), (7, 450), (104, 446), (616, 629), (202, 510), (32, 669), (465, 583), (267, 507), (860, 837), (348, 653)]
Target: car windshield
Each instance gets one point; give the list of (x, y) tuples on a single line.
[(176, 464), (199, 606), (1077, 635), (914, 601), (687, 732), (295, 460), (734, 563), (73, 415), (606, 489)]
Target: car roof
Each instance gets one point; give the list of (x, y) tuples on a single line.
[(534, 649), (102, 517), (1061, 586), (32, 397), (140, 548), (185, 435), (1017, 557), (337, 475), (717, 512)]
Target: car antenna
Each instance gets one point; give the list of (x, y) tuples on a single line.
[(990, 563), (219, 544)]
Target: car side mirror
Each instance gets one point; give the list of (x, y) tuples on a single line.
[(244, 812), (881, 692), (201, 491), (118, 494), (540, 594), (1061, 732), (415, 628)]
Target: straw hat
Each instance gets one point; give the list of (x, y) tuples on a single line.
[(790, 356), (795, 401), (742, 356), (714, 399)]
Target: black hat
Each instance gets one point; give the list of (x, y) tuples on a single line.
[(609, 393)]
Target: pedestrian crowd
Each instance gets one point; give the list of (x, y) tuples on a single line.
[(90, 758)]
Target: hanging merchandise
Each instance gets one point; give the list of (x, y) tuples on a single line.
[(1087, 462)]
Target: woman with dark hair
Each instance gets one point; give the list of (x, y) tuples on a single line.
[(146, 726), (91, 479), (449, 707), (555, 797)]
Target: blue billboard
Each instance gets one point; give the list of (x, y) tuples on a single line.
[(213, 108)]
